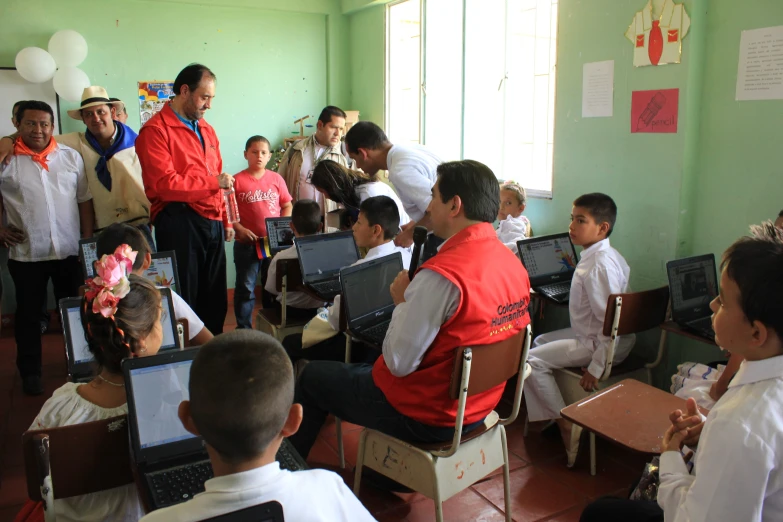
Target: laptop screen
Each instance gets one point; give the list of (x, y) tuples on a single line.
[(75, 334), (547, 256), (322, 257), (157, 393), (88, 249), (163, 270), (366, 289), (279, 232), (693, 285)]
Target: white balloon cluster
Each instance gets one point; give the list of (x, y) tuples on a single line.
[(67, 49)]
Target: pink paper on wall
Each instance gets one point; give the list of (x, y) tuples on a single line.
[(655, 111)]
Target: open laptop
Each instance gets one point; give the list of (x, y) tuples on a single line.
[(550, 262), (171, 463), (693, 284), (278, 230), (266, 512), (163, 270), (368, 301), (321, 256), (88, 255), (78, 357)]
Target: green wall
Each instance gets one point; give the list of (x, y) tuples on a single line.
[(367, 39)]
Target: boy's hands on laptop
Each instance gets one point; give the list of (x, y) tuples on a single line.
[(686, 427), (588, 382), (398, 287)]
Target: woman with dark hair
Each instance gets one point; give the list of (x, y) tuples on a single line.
[(350, 187)]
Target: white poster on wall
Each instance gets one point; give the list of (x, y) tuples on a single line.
[(598, 89), (760, 72)]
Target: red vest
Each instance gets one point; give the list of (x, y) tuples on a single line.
[(494, 296)]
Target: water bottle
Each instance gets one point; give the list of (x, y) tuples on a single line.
[(230, 200)]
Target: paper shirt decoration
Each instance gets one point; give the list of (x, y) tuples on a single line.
[(658, 41)]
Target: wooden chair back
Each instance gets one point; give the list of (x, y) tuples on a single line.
[(492, 364), (640, 311), (79, 459)]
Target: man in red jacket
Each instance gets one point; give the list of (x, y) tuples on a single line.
[(455, 300), (183, 179)]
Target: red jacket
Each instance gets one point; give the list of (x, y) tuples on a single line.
[(494, 296), (176, 168)]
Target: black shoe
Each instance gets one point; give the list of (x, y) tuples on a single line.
[(44, 326), (31, 385)]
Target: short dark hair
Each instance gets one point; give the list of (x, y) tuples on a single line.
[(256, 139), (241, 391), (33, 105), (780, 214), (192, 76), (118, 234), (475, 184), (124, 108), (754, 262), (365, 135), (329, 112), (13, 110), (306, 217), (601, 207), (383, 211)]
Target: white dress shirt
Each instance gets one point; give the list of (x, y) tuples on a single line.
[(294, 299), (379, 188), (511, 230), (310, 157), (413, 172), (44, 204), (601, 271), (738, 467), (315, 495)]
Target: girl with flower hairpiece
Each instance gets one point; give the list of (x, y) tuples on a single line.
[(121, 318), (513, 225)]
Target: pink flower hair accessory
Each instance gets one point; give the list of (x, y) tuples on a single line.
[(111, 283)]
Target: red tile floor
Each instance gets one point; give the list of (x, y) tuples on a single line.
[(541, 486)]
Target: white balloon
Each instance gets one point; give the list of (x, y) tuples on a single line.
[(35, 65), (70, 82), (68, 48)]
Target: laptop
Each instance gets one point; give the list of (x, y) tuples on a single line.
[(321, 256), (88, 255), (163, 270), (693, 284), (171, 463), (79, 359), (266, 512), (278, 230), (550, 262), (367, 299)]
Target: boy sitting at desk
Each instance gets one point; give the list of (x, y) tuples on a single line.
[(600, 272), (241, 403)]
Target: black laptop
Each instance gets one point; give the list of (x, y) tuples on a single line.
[(163, 270), (279, 233), (171, 463), (78, 357), (321, 257), (266, 512), (693, 284), (550, 262), (367, 300), (88, 255)]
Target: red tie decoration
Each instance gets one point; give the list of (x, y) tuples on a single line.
[(655, 44)]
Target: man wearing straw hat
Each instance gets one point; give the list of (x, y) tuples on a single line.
[(109, 153)]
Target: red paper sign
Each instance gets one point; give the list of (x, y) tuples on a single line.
[(655, 111)]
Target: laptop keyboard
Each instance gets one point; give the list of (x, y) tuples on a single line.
[(556, 289), (377, 333), (327, 288)]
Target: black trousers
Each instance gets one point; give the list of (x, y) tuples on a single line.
[(201, 260), (332, 349), (610, 509), (31, 280)]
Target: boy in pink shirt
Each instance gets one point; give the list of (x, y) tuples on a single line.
[(260, 194)]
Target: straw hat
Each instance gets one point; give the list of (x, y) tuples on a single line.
[(91, 97)]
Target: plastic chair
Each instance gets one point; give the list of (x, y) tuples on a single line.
[(440, 471), (284, 321)]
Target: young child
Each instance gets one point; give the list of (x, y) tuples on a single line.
[(121, 233), (260, 194), (375, 230), (513, 225), (136, 321), (305, 221), (600, 272), (241, 403)]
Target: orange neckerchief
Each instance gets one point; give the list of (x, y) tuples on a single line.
[(39, 157)]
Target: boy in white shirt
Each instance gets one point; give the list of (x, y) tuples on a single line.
[(600, 272), (241, 403), (737, 472)]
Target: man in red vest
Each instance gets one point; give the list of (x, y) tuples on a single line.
[(473, 292)]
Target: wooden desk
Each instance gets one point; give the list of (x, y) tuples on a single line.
[(671, 326)]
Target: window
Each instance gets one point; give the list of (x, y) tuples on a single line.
[(487, 76)]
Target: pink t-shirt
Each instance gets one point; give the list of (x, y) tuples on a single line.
[(259, 199)]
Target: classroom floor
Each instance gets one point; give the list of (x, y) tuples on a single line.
[(541, 486)]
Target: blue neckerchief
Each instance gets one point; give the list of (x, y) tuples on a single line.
[(125, 139)]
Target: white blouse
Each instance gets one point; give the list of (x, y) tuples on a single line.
[(65, 408), (379, 188)]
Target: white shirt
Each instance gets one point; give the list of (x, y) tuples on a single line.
[(511, 230), (310, 156), (738, 468), (388, 248), (413, 172), (44, 204), (379, 188), (294, 299), (182, 310), (306, 496), (601, 271), (64, 408)]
